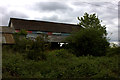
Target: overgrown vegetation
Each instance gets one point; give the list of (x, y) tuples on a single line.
[(59, 64), (87, 55), (87, 42), (91, 39), (33, 48)]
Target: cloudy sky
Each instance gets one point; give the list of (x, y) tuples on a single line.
[(64, 11)]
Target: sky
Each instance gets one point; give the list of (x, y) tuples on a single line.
[(63, 11)]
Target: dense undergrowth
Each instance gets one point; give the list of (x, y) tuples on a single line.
[(59, 64)]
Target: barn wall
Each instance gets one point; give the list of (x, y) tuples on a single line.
[(7, 39)]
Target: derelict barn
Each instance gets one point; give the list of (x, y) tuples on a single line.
[(56, 32)]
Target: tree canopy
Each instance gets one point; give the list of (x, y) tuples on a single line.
[(92, 21), (91, 40)]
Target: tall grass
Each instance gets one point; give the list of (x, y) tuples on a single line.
[(59, 64)]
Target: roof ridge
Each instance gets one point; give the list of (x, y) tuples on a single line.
[(41, 25), (43, 21)]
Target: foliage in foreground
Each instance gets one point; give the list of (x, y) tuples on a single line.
[(59, 64), (89, 40), (34, 48), (113, 51)]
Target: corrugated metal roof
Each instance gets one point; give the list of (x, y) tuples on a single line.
[(53, 38), (42, 25), (6, 29)]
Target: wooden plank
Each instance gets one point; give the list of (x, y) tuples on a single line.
[(9, 38)]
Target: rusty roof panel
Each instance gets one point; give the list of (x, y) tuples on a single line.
[(42, 25), (6, 29)]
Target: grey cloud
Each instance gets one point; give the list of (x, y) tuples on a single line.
[(98, 7), (7, 16), (106, 14), (52, 18), (79, 3), (52, 6), (3, 10), (113, 33), (95, 4), (55, 18), (114, 37), (17, 14), (104, 8), (67, 20)]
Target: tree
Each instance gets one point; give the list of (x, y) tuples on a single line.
[(91, 40), (34, 48), (37, 48), (20, 41), (92, 21), (22, 32)]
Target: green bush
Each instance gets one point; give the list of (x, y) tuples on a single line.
[(36, 50), (33, 48), (17, 66), (87, 42), (62, 53), (59, 64), (35, 55), (113, 51), (12, 64), (90, 38)]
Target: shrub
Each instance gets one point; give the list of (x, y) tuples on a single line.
[(35, 55), (62, 53), (33, 48), (59, 64), (87, 42), (113, 51), (90, 39), (12, 64), (37, 48)]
